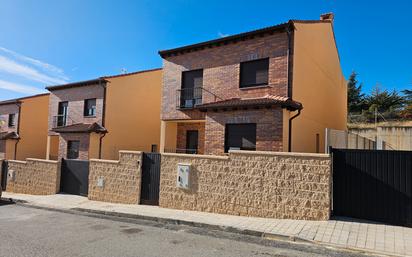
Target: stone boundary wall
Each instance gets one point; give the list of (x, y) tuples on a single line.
[(259, 184), (119, 180), (33, 176)]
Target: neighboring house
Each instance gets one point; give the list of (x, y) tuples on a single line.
[(23, 127), (273, 89), (99, 117)]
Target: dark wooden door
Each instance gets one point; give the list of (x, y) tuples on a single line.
[(373, 184), (192, 137), (150, 179), (4, 168), (75, 177)]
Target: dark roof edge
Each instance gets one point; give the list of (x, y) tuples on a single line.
[(130, 73), (18, 100), (241, 36), (76, 84)]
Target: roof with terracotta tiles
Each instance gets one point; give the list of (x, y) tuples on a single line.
[(81, 128), (9, 135), (268, 100)]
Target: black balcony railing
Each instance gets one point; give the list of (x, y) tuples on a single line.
[(61, 120), (188, 98)]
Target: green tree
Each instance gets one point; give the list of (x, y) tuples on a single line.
[(408, 96), (356, 99), (407, 111), (384, 100)]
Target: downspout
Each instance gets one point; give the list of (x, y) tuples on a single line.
[(290, 130), (103, 117), (290, 32), (18, 131)]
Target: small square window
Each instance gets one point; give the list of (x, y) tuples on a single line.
[(90, 107), (254, 73), (12, 120)]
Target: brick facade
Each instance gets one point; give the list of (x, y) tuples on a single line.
[(221, 76), (76, 96), (269, 128), (84, 139), (221, 70), (182, 129), (121, 179), (34, 176), (259, 184), (5, 110)]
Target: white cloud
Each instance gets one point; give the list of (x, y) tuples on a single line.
[(9, 66), (46, 67), (19, 88)]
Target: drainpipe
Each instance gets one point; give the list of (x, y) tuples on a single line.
[(290, 130), (290, 32), (18, 131), (100, 144), (103, 116)]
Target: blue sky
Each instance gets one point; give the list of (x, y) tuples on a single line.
[(51, 42)]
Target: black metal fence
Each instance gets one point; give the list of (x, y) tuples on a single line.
[(3, 175), (373, 184)]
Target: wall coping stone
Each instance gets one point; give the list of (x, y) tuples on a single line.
[(17, 161), (197, 156), (105, 161), (33, 159), (134, 152), (292, 154), (240, 152)]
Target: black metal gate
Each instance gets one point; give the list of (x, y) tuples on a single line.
[(75, 177), (373, 184), (4, 169), (150, 178)]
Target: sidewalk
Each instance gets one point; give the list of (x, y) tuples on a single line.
[(342, 233)]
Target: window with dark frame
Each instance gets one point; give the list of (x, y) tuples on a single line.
[(73, 147), (90, 107), (62, 114), (191, 91), (12, 120), (254, 73), (240, 137)]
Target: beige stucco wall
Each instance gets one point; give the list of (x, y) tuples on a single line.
[(121, 178), (33, 127), (394, 137), (34, 176), (318, 83), (132, 113), (260, 184), (10, 146)]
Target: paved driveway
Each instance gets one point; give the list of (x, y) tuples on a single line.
[(33, 232)]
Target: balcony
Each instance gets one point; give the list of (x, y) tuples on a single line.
[(61, 120), (189, 98)]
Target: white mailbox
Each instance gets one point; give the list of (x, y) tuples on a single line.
[(100, 182), (11, 175), (183, 174)]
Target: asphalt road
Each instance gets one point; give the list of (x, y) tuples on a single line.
[(34, 232)]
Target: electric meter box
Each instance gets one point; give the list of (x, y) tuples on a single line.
[(183, 174)]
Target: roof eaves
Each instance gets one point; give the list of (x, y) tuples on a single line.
[(76, 84), (225, 40), (130, 73)]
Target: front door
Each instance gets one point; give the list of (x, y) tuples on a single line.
[(192, 141), (73, 148), (150, 179)]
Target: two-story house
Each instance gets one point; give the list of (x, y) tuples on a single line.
[(272, 89), (99, 117), (23, 127)]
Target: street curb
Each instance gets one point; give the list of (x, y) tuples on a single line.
[(111, 215)]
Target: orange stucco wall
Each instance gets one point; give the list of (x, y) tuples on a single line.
[(132, 113), (318, 83), (33, 127)]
